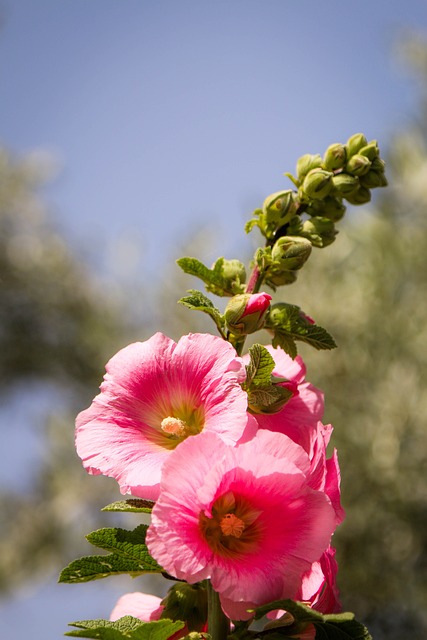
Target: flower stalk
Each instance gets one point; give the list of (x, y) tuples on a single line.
[(218, 623)]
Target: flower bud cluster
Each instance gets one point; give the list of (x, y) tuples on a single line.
[(345, 172)]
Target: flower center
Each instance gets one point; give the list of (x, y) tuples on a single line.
[(174, 427), (232, 527)]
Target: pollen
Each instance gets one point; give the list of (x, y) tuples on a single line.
[(174, 427), (231, 525)]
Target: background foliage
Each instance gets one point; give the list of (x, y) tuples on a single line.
[(59, 324)]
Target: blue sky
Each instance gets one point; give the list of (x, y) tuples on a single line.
[(172, 113)]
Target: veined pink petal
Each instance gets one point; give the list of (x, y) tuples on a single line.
[(154, 395)]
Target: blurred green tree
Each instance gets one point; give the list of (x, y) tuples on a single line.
[(369, 289)]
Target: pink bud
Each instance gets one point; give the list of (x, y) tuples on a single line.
[(257, 303), (245, 313)]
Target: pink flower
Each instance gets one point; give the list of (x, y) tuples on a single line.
[(144, 606), (139, 605), (245, 517), (155, 394), (299, 417), (319, 584)]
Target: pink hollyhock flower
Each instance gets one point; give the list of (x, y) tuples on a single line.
[(154, 395), (325, 472), (139, 605), (319, 584), (144, 606), (245, 517), (299, 417)]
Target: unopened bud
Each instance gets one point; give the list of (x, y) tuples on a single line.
[(333, 208), (378, 165), (345, 184), (371, 179), (371, 150), (358, 165), (279, 207), (355, 143), (335, 157), (362, 195), (280, 278), (306, 163), (320, 231), (290, 252), (317, 183), (188, 603), (246, 312)]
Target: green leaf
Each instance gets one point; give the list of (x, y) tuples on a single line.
[(285, 342), (260, 367), (197, 301), (334, 626), (131, 504), (129, 555), (289, 324), (213, 278), (126, 628), (194, 267), (96, 567), (269, 399)]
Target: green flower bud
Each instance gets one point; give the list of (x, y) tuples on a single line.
[(188, 603), (371, 179), (335, 157), (246, 312), (333, 208), (234, 274), (280, 278), (378, 165), (317, 183), (362, 195), (279, 207), (371, 150), (320, 231), (358, 165), (306, 163), (290, 253), (345, 184), (355, 143)]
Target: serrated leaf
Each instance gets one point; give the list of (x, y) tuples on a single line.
[(316, 336), (289, 323), (212, 278), (129, 555), (197, 301), (285, 342), (194, 267), (126, 628), (345, 630), (96, 567), (334, 626), (137, 505), (260, 367), (268, 400)]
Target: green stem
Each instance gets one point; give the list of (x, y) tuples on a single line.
[(218, 623)]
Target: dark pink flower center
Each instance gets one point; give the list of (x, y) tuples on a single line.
[(233, 527)]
